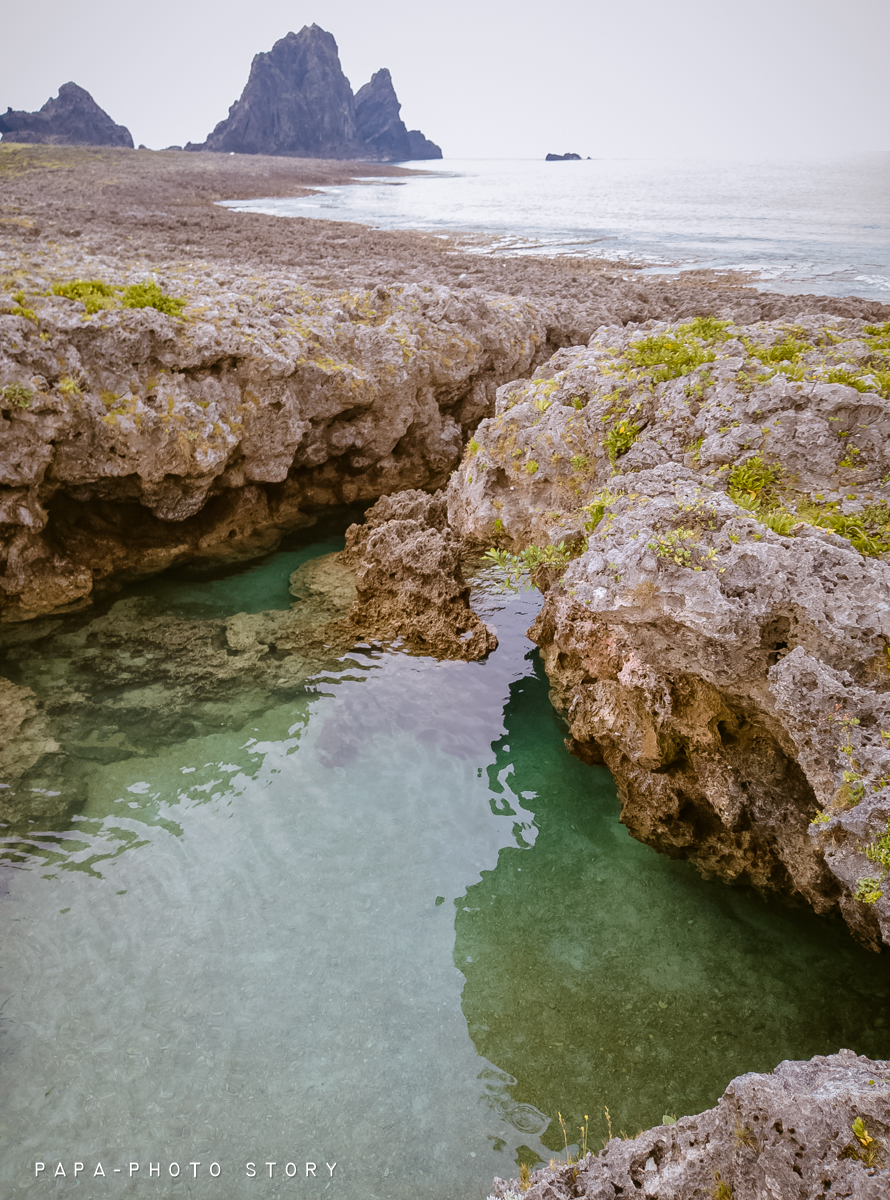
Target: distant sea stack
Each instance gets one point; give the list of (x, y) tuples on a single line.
[(298, 102), (563, 158), (73, 118)]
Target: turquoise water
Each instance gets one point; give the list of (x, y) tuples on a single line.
[(793, 225), (380, 918)]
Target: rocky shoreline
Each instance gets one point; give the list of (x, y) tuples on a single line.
[(810, 1129), (694, 473)]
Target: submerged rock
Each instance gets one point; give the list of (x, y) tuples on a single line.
[(713, 505), (409, 579), (73, 118), (808, 1129)]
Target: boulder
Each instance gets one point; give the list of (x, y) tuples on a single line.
[(73, 118), (409, 579)]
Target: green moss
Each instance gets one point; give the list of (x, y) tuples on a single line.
[(531, 467), (92, 293), (149, 295)]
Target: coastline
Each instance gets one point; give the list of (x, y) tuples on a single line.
[(269, 306)]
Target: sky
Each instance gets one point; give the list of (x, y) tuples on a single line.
[(493, 78)]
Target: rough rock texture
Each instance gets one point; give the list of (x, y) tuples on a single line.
[(73, 118), (409, 579), (789, 1134), (720, 638), (298, 101), (381, 128), (131, 439)]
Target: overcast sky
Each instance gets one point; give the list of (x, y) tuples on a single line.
[(492, 78)]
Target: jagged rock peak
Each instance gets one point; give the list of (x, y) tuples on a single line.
[(73, 118), (297, 101)]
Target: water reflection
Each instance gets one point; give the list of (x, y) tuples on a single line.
[(599, 973)]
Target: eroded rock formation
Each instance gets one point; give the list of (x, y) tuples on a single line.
[(133, 439), (73, 118), (381, 128), (715, 500), (809, 1129), (298, 101), (409, 578)]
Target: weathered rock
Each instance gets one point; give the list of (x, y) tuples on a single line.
[(73, 118), (808, 1129), (377, 118), (298, 101), (562, 158), (131, 440), (735, 679), (420, 147), (409, 579)]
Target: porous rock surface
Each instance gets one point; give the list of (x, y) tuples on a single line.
[(734, 679), (131, 439), (73, 118), (409, 579), (787, 1135)]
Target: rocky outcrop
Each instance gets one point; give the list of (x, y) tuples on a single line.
[(381, 128), (808, 1129), (562, 158), (713, 505), (409, 578), (297, 101), (420, 147), (132, 439), (73, 118)]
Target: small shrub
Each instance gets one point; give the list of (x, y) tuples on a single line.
[(620, 438), (779, 521), (752, 483), (788, 349), (666, 356), (868, 890), (92, 293), (531, 466), (149, 295), (14, 395)]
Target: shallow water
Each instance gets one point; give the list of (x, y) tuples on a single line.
[(386, 922), (811, 226)]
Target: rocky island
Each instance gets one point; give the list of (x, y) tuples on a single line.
[(694, 473), (73, 118), (298, 101)]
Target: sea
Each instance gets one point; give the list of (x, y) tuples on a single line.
[(818, 226)]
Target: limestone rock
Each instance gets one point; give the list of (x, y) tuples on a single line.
[(409, 578), (73, 118), (297, 101), (771, 1137), (131, 441), (720, 634)]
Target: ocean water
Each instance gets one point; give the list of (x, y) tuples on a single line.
[(383, 921), (811, 226)]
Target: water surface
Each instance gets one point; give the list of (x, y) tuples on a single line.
[(795, 225), (382, 919)]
